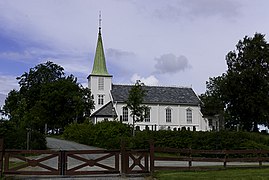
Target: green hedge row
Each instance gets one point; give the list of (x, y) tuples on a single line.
[(203, 140), (108, 134)]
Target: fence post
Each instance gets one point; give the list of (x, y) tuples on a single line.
[(260, 158), (225, 157), (151, 151), (190, 158), (1, 155), (63, 163), (123, 158)]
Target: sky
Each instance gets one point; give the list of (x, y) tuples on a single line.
[(160, 42)]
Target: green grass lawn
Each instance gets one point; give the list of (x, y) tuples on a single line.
[(240, 174)]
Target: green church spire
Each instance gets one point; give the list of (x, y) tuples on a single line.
[(99, 66)]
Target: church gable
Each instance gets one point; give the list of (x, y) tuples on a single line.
[(106, 111), (158, 95)]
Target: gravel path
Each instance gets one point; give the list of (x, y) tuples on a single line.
[(59, 144)]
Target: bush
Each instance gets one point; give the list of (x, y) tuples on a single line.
[(105, 134), (108, 134), (15, 137)]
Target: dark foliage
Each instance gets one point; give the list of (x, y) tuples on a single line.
[(108, 134), (15, 137), (242, 92), (47, 96), (105, 134), (134, 103)]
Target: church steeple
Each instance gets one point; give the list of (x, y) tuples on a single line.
[(99, 81), (99, 66)]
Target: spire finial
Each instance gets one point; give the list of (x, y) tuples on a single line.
[(100, 20)]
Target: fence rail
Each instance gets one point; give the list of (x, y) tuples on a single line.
[(91, 158), (121, 161), (191, 155), (26, 160)]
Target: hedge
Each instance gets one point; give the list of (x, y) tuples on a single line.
[(16, 137), (108, 135)]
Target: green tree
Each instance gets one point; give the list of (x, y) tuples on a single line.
[(211, 100), (244, 88), (48, 96), (134, 103), (248, 82), (212, 103)]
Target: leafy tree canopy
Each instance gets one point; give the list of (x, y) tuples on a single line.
[(48, 96), (211, 99), (134, 103), (244, 88)]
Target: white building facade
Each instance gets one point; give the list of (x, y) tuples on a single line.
[(170, 108)]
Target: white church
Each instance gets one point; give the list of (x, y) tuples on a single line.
[(171, 108)]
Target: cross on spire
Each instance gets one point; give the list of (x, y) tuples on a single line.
[(100, 20), (99, 65)]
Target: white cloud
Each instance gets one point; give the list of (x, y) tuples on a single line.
[(65, 31), (120, 63), (47, 21), (2, 100), (193, 9), (16, 56), (169, 63), (208, 8), (150, 80), (8, 83), (118, 54), (71, 62)]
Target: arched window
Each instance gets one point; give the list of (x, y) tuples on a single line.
[(168, 114), (147, 115), (124, 114), (101, 82), (189, 115), (101, 99)]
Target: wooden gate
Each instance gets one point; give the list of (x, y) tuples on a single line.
[(79, 162), (32, 162), (84, 162), (46, 162), (134, 161)]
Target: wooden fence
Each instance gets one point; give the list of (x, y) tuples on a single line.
[(241, 157), (124, 161)]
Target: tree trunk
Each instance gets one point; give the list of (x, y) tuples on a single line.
[(255, 128), (133, 126)]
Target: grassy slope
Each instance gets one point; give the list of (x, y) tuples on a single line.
[(241, 174)]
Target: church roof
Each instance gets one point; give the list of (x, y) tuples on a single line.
[(158, 95), (106, 111), (99, 66)]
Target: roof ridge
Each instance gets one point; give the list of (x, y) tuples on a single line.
[(170, 86)]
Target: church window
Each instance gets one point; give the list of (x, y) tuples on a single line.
[(168, 116), (210, 123), (189, 115), (101, 99), (124, 114), (101, 83), (147, 115)]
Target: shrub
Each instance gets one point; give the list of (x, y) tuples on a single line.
[(105, 134), (15, 137), (108, 134)]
